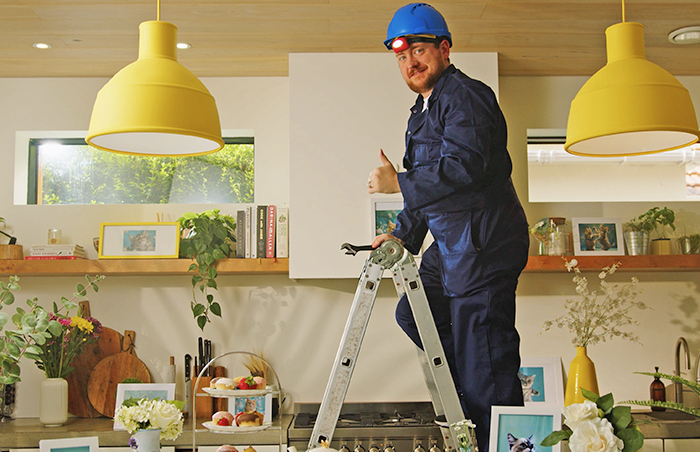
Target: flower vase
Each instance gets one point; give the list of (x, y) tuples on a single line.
[(581, 375), (147, 440), (53, 409)]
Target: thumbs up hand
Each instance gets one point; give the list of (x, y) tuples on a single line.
[(383, 179)]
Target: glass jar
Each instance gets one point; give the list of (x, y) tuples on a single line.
[(558, 237)]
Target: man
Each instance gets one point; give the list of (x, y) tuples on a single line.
[(457, 185)]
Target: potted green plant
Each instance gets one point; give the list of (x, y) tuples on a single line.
[(207, 237), (11, 250), (689, 243), (638, 231), (52, 339)]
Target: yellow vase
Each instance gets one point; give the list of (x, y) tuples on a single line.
[(581, 375)]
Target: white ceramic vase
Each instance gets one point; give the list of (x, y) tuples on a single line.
[(53, 410), (147, 440)]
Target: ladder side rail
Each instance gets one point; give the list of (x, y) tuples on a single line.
[(406, 274), (344, 364)]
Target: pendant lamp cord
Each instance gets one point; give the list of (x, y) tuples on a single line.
[(158, 12), (623, 10)]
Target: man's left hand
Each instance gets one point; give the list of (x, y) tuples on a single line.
[(383, 179)]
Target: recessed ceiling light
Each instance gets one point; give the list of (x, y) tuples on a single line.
[(41, 45), (686, 35), (183, 45)]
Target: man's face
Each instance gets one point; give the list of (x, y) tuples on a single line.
[(422, 64)]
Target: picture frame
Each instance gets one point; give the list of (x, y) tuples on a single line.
[(542, 381), (598, 237), (524, 423), (384, 213), (82, 444), (139, 240), (165, 391)]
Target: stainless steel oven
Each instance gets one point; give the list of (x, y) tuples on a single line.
[(372, 427)]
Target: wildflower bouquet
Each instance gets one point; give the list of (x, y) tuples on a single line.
[(68, 336), (141, 414), (593, 318), (51, 339), (465, 435), (596, 424)]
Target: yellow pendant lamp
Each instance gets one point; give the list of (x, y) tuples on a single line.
[(155, 106), (631, 106)]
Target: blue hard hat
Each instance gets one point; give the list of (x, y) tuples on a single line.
[(417, 19)]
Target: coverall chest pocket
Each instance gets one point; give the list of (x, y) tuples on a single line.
[(425, 152)]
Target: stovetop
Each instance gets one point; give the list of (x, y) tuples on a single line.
[(380, 414)]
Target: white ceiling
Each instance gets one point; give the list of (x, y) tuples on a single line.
[(255, 37)]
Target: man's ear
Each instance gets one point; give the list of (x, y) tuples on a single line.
[(445, 48)]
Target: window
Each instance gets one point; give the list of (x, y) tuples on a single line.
[(69, 171)]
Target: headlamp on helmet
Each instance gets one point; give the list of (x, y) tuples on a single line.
[(404, 42)]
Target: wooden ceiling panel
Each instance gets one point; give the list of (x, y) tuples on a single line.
[(254, 37)]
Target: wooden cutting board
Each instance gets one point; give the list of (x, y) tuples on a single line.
[(109, 343), (112, 370)]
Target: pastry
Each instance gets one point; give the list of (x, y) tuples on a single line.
[(226, 448), (224, 383), (251, 419), (212, 383), (223, 418), (249, 449)]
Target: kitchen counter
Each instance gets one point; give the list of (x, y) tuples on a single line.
[(667, 424), (26, 433)]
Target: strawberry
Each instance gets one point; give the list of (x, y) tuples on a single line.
[(247, 383), (224, 422)]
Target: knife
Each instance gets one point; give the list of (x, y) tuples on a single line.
[(188, 386), (207, 356), (201, 355)]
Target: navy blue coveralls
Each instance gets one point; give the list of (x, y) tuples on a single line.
[(457, 185)]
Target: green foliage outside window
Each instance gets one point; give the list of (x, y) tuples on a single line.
[(75, 173)]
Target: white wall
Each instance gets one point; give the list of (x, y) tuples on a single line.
[(297, 324)]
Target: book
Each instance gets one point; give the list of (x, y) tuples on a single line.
[(248, 242), (282, 231), (240, 234), (270, 241), (57, 253), (57, 258), (261, 230), (54, 248)]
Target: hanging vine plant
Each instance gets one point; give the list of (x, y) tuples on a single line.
[(207, 237)]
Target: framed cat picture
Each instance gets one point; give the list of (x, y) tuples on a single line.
[(598, 237), (139, 240), (522, 428), (542, 381), (83, 444)]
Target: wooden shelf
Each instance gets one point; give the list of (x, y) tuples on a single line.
[(671, 262), (140, 267), (155, 267)]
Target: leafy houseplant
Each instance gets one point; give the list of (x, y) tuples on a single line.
[(654, 219), (690, 243), (668, 404), (210, 236), (596, 424), (51, 339)]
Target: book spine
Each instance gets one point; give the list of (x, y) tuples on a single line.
[(53, 258), (240, 234), (54, 248), (260, 230), (282, 232), (270, 242), (248, 242), (58, 253)]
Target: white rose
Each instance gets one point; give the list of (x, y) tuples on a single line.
[(164, 415), (576, 413), (595, 436)]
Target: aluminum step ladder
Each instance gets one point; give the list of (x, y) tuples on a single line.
[(390, 255)]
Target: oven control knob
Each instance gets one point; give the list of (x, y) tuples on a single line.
[(359, 448), (419, 448), (389, 448), (344, 448), (373, 448), (435, 448)]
